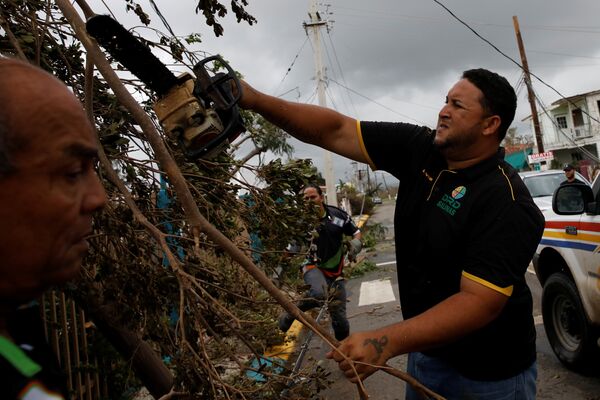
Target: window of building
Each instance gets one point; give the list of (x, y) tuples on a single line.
[(561, 121)]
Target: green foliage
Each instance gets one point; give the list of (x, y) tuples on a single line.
[(360, 269), (213, 8), (138, 10), (223, 313), (372, 234)]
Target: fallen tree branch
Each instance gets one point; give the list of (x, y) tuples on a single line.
[(195, 218)]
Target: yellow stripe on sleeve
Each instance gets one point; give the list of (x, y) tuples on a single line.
[(507, 291), (361, 143)]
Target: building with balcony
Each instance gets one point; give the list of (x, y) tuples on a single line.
[(571, 130)]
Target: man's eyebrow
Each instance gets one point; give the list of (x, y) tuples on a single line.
[(82, 151)]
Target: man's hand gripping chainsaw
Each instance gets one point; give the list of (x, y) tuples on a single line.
[(201, 114)]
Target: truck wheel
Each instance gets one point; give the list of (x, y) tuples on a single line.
[(569, 332)]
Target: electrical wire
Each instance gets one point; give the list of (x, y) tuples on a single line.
[(361, 13), (562, 54), (297, 88), (520, 84), (511, 59), (328, 93), (332, 69), (109, 10), (560, 130), (342, 74), (379, 104), (290, 67), (312, 96), (190, 56)]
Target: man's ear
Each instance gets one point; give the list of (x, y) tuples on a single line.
[(491, 125)]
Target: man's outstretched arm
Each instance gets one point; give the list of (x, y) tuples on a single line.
[(312, 124)]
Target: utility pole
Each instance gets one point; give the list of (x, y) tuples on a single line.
[(387, 189), (536, 123), (313, 27)]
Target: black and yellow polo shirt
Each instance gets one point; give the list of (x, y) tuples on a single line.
[(479, 223)]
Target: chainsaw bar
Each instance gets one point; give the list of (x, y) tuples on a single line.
[(131, 53)]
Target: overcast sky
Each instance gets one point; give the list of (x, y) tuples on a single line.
[(395, 60)]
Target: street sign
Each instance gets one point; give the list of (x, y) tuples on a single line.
[(539, 157)]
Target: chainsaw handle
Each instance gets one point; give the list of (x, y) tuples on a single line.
[(217, 88)]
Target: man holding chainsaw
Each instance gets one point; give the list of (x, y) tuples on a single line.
[(49, 191), (322, 270), (466, 229)]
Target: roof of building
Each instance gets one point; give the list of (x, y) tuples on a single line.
[(576, 97)]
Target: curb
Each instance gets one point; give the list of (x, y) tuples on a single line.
[(362, 220), (276, 357)]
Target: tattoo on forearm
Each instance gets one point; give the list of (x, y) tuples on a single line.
[(379, 344)]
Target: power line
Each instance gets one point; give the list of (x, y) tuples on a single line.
[(562, 54), (378, 103), (291, 65), (297, 88), (332, 69), (312, 96), (328, 92), (341, 73), (387, 14), (512, 60), (109, 10), (191, 57)]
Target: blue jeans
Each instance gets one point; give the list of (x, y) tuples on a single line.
[(438, 376), (319, 292)]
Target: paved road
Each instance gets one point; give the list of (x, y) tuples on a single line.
[(554, 381)]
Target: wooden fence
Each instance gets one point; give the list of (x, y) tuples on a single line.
[(69, 333)]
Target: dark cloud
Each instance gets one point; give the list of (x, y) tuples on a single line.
[(398, 58)]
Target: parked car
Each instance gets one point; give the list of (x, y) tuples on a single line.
[(567, 264), (377, 200), (542, 184)]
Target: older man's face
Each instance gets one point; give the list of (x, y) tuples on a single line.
[(46, 206)]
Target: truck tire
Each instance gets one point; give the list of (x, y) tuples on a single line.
[(569, 332)]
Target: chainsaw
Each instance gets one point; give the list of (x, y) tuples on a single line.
[(200, 113)]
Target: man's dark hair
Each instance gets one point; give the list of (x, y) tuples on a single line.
[(499, 97)]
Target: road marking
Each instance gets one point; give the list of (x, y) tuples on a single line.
[(376, 292), (386, 263), (538, 320)]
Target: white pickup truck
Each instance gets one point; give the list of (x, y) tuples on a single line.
[(567, 264)]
